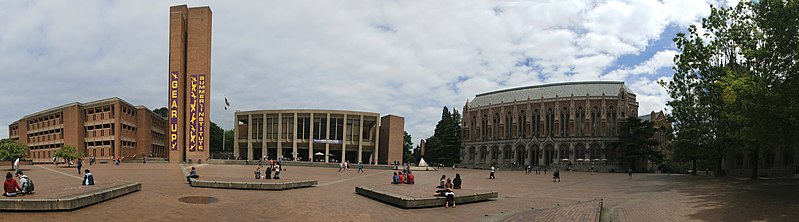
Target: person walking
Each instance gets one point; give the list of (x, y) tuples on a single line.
[(529, 169), (556, 175), (360, 167), (630, 172), (592, 170), (340, 167), (492, 170), (80, 164)]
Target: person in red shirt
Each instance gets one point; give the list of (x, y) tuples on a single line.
[(410, 178), (10, 186), (401, 177)]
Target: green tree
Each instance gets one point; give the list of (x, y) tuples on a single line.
[(636, 143), (10, 150), (407, 149), (735, 84), (163, 112), (68, 152), (444, 146), (216, 138)]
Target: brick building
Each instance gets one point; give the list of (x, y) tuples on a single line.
[(104, 129), (319, 135)]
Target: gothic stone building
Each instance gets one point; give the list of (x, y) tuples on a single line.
[(550, 124)]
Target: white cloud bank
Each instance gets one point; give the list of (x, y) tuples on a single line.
[(402, 57)]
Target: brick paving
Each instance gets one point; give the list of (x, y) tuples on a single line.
[(646, 197), (582, 211)]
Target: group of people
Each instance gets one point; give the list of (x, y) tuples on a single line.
[(11, 188), (446, 189), (537, 169), (276, 167), (403, 177), (345, 166)]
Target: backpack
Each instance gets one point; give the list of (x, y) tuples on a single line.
[(29, 186)]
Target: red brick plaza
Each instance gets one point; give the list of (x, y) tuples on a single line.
[(646, 197)]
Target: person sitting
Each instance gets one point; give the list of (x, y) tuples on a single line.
[(268, 172), (401, 177), (192, 174), (25, 182), (395, 179), (457, 181), (88, 178), (277, 172), (258, 173), (10, 186), (448, 184), (442, 181), (450, 198), (410, 178)]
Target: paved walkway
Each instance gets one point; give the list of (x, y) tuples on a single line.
[(646, 197)]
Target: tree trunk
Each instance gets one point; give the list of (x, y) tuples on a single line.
[(755, 162), (718, 172), (693, 171)]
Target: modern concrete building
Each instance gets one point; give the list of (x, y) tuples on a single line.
[(104, 129), (560, 123), (318, 135), (189, 83)]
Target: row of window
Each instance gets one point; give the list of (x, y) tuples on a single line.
[(45, 121), (99, 130), (128, 144), (129, 128), (48, 146), (48, 135), (304, 125), (548, 126)]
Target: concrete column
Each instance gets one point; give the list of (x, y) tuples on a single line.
[(557, 154), (263, 133), (490, 155), (377, 139), (344, 140), (249, 136), (527, 155), (310, 141), (360, 138), (279, 135), (235, 135), (327, 134), (502, 155), (294, 140)]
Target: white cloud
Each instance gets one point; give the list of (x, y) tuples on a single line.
[(400, 57), (661, 59)]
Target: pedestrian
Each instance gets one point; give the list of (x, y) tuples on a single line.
[(260, 162), (491, 176), (258, 173), (347, 165), (192, 174), (556, 175), (360, 167), (88, 178), (630, 172), (453, 167), (80, 164), (529, 169), (592, 170), (545, 169), (340, 167)]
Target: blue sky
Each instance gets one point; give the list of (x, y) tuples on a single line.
[(408, 58)]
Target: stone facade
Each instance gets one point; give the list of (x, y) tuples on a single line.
[(546, 125)]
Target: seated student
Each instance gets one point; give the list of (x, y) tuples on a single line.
[(277, 172), (268, 172), (192, 174), (448, 185), (258, 173), (395, 179), (25, 182), (88, 178), (450, 198), (410, 178), (10, 186), (457, 181), (401, 178), (442, 181)]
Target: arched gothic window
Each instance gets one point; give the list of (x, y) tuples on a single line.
[(508, 125), (595, 121), (611, 121), (564, 122), (484, 127), (550, 118), (536, 123), (580, 120), (522, 124), (495, 127), (473, 132)]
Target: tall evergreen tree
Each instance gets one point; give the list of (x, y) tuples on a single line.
[(444, 146)]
